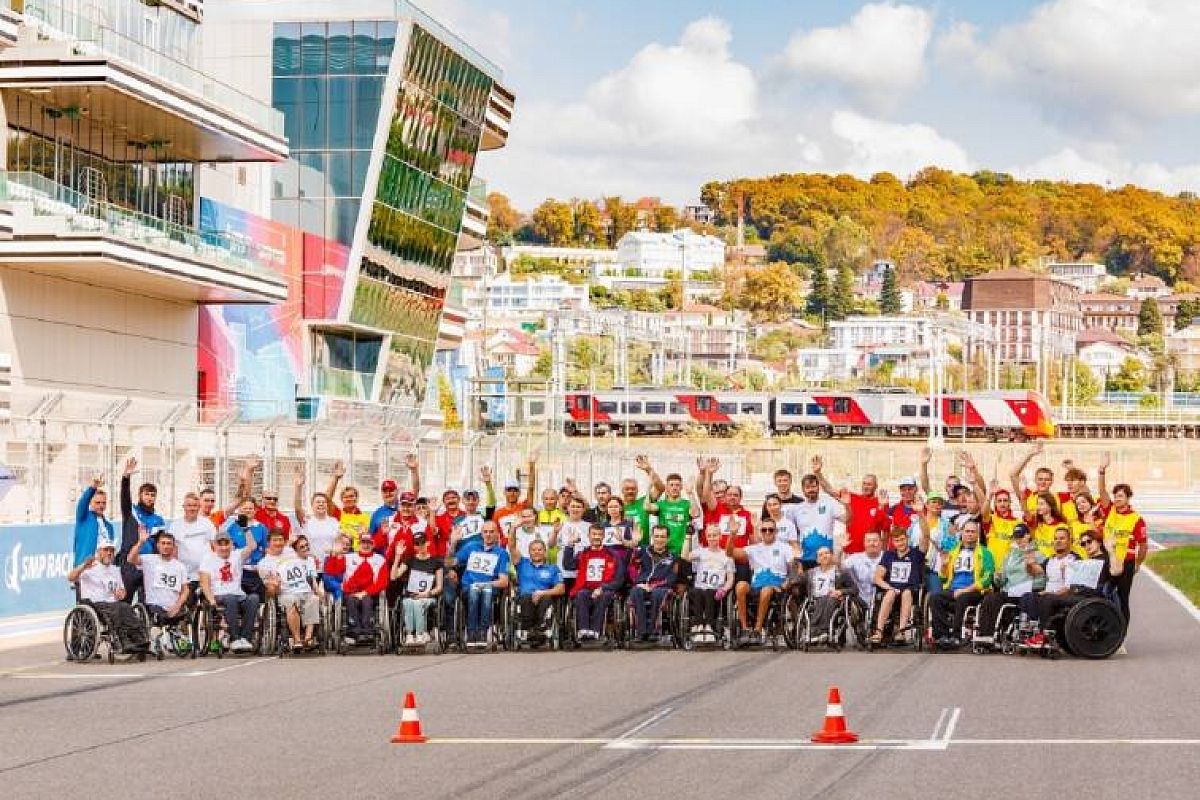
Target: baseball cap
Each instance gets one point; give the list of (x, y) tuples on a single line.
[(511, 485), (105, 543), (932, 496), (388, 486), (908, 480), (408, 497), (223, 536), (420, 538), (1020, 529), (470, 493)]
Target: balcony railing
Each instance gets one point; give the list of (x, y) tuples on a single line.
[(56, 17), (87, 215)]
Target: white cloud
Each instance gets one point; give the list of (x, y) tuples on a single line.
[(1116, 63), (1106, 166), (874, 145), (879, 54)]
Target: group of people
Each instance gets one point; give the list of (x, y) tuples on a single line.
[(961, 546)]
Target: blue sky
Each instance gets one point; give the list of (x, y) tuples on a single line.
[(655, 97)]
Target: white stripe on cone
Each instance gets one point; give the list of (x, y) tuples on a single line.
[(833, 711), (409, 715)]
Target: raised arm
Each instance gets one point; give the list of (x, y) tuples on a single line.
[(135, 552), (83, 506), (657, 487), (817, 467), (74, 574), (926, 457), (530, 484), (131, 466), (298, 498), (489, 488), (414, 470), (978, 485), (339, 469), (1102, 481), (1014, 476)]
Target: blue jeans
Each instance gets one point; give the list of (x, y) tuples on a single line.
[(240, 614), (646, 605), (414, 613), (479, 607), (933, 583)]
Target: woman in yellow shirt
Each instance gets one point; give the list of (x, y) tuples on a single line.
[(1045, 521)]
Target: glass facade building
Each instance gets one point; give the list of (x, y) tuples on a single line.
[(344, 86)]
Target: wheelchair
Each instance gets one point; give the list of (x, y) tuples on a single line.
[(916, 632), (687, 617), (381, 632), (209, 634), (999, 638), (86, 631), (553, 625), (1091, 628), (496, 632), (434, 615), (175, 631), (616, 630), (667, 623), (779, 624), (282, 634), (836, 633)]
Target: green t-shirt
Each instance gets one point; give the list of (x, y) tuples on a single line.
[(677, 517), (636, 511)]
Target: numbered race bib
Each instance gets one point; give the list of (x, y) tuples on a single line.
[(1085, 573), (595, 572), (169, 580), (294, 576), (710, 579), (419, 581), (822, 585), (483, 563), (613, 536), (901, 572), (965, 561), (471, 526)]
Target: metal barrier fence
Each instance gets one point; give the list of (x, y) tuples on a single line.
[(51, 458)]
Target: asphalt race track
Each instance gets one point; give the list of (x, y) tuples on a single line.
[(621, 724)]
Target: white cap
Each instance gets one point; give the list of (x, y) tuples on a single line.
[(908, 480)]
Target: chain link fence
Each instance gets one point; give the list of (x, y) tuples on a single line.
[(50, 457)]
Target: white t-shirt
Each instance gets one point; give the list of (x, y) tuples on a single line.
[(321, 532), (776, 558), (1058, 572), (822, 582), (294, 572), (820, 515), (862, 569), (785, 530), (194, 540), (540, 533), (99, 583), (572, 535), (470, 525), (164, 580), (224, 574), (710, 568)]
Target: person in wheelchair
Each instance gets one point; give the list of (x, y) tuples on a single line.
[(898, 578), (99, 582), (220, 577), (290, 575), (164, 578), (712, 580), (1057, 570), (861, 568), (484, 571), (966, 577), (827, 587), (364, 578), (1022, 572), (596, 583), (1095, 576), (652, 572), (539, 582), (774, 567), (421, 576)]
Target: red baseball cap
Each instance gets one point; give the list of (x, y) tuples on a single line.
[(408, 497), (388, 486)]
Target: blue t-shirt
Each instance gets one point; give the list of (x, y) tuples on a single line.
[(811, 543), (152, 522), (238, 535), (903, 572), (964, 569), (531, 578), (480, 564), (381, 515)]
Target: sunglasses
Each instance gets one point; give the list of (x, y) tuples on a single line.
[(1086, 540), (767, 528), (271, 497)]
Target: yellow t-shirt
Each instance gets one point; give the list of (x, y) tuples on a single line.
[(350, 524), (1000, 531), (1043, 537), (1125, 527)]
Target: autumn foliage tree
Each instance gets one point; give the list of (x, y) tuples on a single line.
[(770, 293)]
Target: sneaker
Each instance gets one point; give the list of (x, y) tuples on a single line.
[(422, 638), (410, 639), (349, 641), (697, 629), (523, 636), (665, 641)]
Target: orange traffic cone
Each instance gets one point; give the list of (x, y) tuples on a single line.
[(835, 731), (409, 731)]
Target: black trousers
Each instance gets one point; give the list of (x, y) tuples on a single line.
[(948, 611), (360, 615), (120, 617), (590, 611), (530, 614), (1125, 586), (705, 608)]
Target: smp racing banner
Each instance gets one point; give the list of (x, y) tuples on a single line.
[(35, 560)]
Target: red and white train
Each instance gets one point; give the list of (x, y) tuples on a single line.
[(999, 416)]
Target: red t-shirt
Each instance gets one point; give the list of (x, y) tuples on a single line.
[(742, 538), (866, 515), (274, 522), (899, 516), (713, 516), (439, 537)]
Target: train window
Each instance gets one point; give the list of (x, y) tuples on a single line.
[(537, 408), (606, 408), (583, 401), (814, 410), (727, 408), (956, 406), (752, 408), (677, 408), (704, 403), (656, 408), (633, 408), (792, 409), (908, 411), (841, 405), (924, 411)]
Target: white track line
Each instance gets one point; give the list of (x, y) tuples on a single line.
[(654, 718), (67, 676), (937, 745)]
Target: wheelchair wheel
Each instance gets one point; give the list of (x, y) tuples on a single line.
[(206, 631), (81, 633), (383, 626), (791, 613), (683, 626), (732, 626), (266, 633), (1094, 629), (804, 627)]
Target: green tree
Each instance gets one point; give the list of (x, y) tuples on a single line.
[(588, 224), (1085, 387), (1131, 377), (671, 295), (554, 223), (889, 294), (1185, 312), (817, 303), (503, 219), (1149, 318), (841, 299)]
